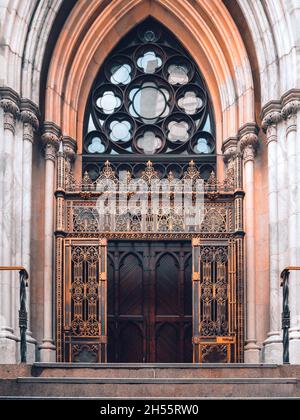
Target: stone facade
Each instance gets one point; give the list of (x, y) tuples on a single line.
[(248, 52)]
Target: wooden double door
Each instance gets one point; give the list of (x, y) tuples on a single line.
[(149, 301)]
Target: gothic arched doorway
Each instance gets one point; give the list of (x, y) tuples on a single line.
[(149, 102)]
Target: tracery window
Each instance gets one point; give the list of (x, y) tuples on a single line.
[(149, 102)]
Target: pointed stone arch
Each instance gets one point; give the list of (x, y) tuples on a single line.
[(206, 30)]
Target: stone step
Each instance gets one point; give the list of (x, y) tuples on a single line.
[(66, 387), (162, 370), (34, 398)]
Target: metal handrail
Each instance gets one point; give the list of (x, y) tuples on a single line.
[(285, 316), (23, 316)]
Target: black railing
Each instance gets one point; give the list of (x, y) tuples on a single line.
[(285, 316), (23, 316)]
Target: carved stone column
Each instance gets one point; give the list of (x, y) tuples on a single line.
[(50, 139), (248, 146), (29, 117), (9, 104), (291, 106), (273, 343)]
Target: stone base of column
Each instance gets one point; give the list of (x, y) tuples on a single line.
[(8, 349), (252, 353), (294, 348), (47, 352), (273, 349)]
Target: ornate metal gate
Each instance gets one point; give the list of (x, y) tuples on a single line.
[(217, 272), (214, 302), (84, 295)]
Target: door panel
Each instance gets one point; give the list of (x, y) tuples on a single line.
[(167, 343), (131, 286), (167, 284), (147, 308), (188, 289), (131, 343)]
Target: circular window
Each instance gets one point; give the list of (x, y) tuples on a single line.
[(149, 59), (149, 140), (149, 98), (108, 99), (203, 143), (191, 99), (120, 70), (149, 101), (96, 143), (120, 127), (178, 70)]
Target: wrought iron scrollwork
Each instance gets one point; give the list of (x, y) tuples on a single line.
[(23, 317), (285, 316)]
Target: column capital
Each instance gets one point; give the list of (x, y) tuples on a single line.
[(249, 153), (11, 109), (289, 113), (30, 114), (30, 119), (9, 100), (229, 149), (271, 119), (50, 140), (70, 148), (248, 141)]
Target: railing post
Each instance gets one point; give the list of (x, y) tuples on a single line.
[(23, 314), (285, 316)]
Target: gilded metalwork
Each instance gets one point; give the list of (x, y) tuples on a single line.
[(214, 303), (84, 296), (218, 259), (108, 176)]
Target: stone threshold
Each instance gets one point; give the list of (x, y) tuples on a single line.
[(11, 397), (87, 380), (155, 365)]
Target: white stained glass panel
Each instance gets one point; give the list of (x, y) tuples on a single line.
[(149, 62), (96, 146), (149, 143), (120, 130), (190, 102), (178, 131), (178, 74), (108, 102), (149, 101), (120, 74), (203, 146)]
